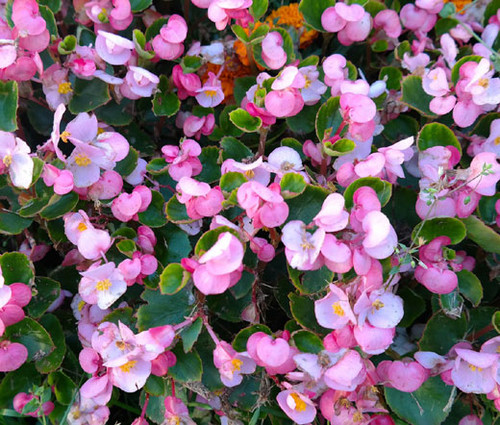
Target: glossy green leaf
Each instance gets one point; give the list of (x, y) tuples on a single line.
[(414, 95), (59, 205), (307, 205), (233, 148), (307, 342), (154, 216), (440, 226), (12, 223), (190, 334), (312, 11), (47, 291), (54, 360), (16, 267), (441, 333), (33, 336), (470, 286), (302, 309), (173, 278), (258, 8), (436, 134), (176, 212), (483, 235), (188, 367), (292, 184), (88, 95), (328, 119), (8, 105), (244, 121), (381, 187), (64, 388)]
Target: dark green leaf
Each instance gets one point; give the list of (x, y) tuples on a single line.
[(470, 286), (483, 235), (59, 205), (88, 95), (188, 367), (190, 334), (51, 362), (154, 216), (441, 333), (312, 11), (381, 187), (440, 226), (33, 336), (173, 278), (244, 121), (307, 342), (16, 267), (48, 291), (436, 134), (12, 224), (328, 119), (415, 97)]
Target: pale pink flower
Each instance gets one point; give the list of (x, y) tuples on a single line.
[(56, 87), (474, 372), (168, 43), (211, 94), (302, 249), (138, 82), (334, 310), (200, 199), (15, 157), (333, 216), (113, 48), (407, 376), (183, 160), (102, 285), (297, 406), (273, 53), (232, 364)]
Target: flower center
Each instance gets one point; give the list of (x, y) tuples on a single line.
[(250, 174), (81, 226), (308, 82), (300, 404), (357, 417), (121, 345), (7, 160), (103, 285), (285, 166), (64, 136), (128, 366), (81, 304), (337, 309), (82, 160), (377, 305), (484, 83), (65, 88), (236, 364), (210, 93), (496, 141), (475, 368), (76, 414)]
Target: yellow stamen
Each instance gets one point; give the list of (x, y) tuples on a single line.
[(81, 304), (81, 226), (498, 349), (285, 166), (82, 160), (377, 305), (236, 364), (103, 285), (128, 366), (307, 245), (7, 160), (250, 174), (210, 93), (475, 368), (337, 309), (496, 141), (300, 404), (100, 130), (65, 88), (76, 414), (484, 83), (121, 345), (357, 417), (308, 82), (64, 136)]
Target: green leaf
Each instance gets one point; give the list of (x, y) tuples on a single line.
[(455, 71), (307, 205), (188, 367), (49, 18), (339, 148), (241, 338), (64, 388), (239, 32), (441, 333), (157, 167), (12, 223), (124, 315), (483, 235), (259, 33), (140, 5), (48, 291), (16, 267), (127, 164), (8, 105), (381, 187), (328, 119), (303, 122), (258, 8), (302, 308), (67, 45), (470, 286), (116, 114), (191, 64), (436, 134), (452, 304), (244, 121), (88, 95), (20, 380), (126, 247), (154, 29), (140, 45), (308, 342), (486, 208), (310, 282), (165, 103), (59, 205), (211, 170), (292, 184), (394, 77), (495, 321), (312, 11), (440, 226), (52, 362), (414, 306), (154, 215), (53, 5), (173, 278), (415, 97), (33, 336), (380, 46), (177, 244), (176, 212), (231, 181), (190, 334), (163, 309), (233, 148), (429, 405)]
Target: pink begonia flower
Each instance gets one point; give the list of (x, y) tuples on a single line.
[(102, 285), (21, 399), (273, 53), (264, 205), (431, 6), (29, 25), (220, 267), (483, 88), (302, 249), (117, 12), (373, 340), (56, 87), (200, 199), (357, 108), (285, 99), (168, 43), (388, 20), (14, 157), (381, 308), (12, 356), (130, 376), (146, 239), (187, 84), (297, 406), (126, 206), (417, 19), (211, 94), (231, 364), (381, 239), (109, 185), (313, 88), (86, 411), (84, 61), (407, 376), (138, 83), (470, 420), (62, 180), (264, 250), (334, 310), (176, 412), (196, 126), (449, 49), (435, 82), (164, 361), (283, 160), (183, 160), (252, 171), (486, 163), (474, 372), (335, 70), (113, 48), (137, 176), (221, 11), (275, 354), (332, 216), (313, 151), (337, 255), (347, 373)]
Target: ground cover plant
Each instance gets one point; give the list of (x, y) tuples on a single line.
[(249, 212)]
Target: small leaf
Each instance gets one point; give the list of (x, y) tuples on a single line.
[(244, 121), (441, 333), (12, 223), (48, 291), (440, 226), (339, 148), (176, 212), (127, 164), (436, 134), (483, 235), (54, 360), (59, 205), (88, 95), (231, 181), (16, 267), (154, 216), (173, 278), (233, 148), (415, 97), (190, 334), (470, 286), (64, 388), (328, 119), (188, 367), (312, 11), (258, 8), (302, 308), (308, 342), (292, 184)]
